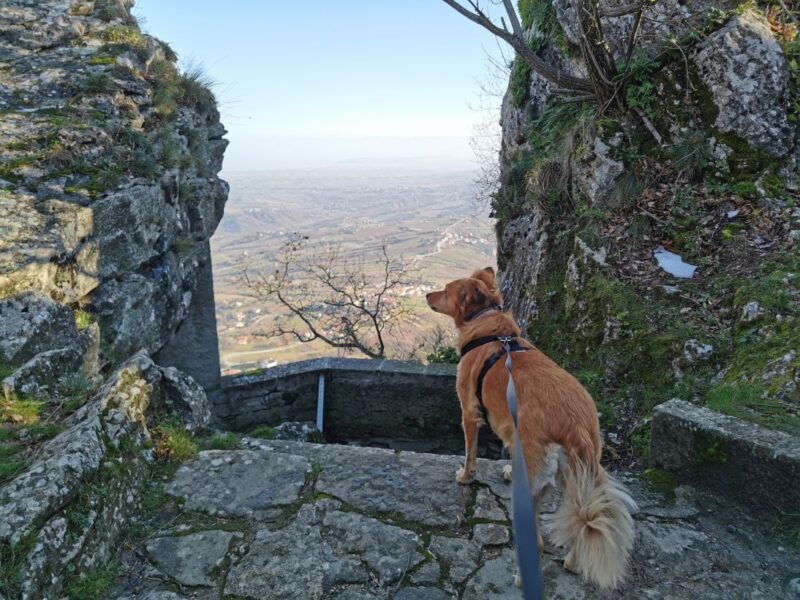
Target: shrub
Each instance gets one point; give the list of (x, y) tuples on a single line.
[(174, 443), (443, 354)]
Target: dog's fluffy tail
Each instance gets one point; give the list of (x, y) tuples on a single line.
[(594, 521)]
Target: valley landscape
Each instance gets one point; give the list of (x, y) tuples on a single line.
[(426, 217)]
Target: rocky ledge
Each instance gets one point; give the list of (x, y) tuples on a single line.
[(288, 520)]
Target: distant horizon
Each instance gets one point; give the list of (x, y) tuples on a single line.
[(307, 85)]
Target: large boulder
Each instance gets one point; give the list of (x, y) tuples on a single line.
[(745, 69), (40, 341), (30, 324)]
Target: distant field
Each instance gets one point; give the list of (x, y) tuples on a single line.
[(428, 218)]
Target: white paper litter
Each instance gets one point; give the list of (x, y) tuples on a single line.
[(732, 214), (673, 264)]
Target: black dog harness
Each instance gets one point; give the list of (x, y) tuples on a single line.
[(514, 346)]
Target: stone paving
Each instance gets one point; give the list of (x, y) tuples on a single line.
[(290, 520)]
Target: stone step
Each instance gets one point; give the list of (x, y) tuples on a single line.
[(757, 466), (290, 520)]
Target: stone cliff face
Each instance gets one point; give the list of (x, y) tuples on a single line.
[(702, 164), (108, 197), (108, 182)]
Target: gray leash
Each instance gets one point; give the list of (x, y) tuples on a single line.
[(523, 513)]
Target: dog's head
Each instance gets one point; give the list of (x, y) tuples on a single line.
[(464, 297)]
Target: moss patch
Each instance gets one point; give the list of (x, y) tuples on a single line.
[(93, 585)]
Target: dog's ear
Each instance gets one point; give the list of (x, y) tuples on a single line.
[(486, 276), (470, 296)]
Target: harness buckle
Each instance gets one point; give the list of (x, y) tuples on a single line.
[(505, 339)]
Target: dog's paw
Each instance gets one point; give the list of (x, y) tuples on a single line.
[(517, 580), (507, 472), (464, 477)]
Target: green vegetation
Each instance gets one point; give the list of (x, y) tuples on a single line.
[(262, 431), (709, 451), (520, 82), (225, 441), (184, 245), (661, 480), (542, 14), (12, 559), (93, 585), (23, 411), (127, 35), (83, 319), (443, 354), (96, 83), (10, 469), (538, 175), (174, 443)]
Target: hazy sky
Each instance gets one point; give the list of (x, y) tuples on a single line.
[(308, 83)]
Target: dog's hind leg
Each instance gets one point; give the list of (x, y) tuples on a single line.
[(467, 473)]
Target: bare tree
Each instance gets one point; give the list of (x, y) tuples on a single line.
[(602, 83), (350, 304), (486, 136)]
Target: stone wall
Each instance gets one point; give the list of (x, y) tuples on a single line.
[(385, 403)]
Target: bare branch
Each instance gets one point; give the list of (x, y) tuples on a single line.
[(341, 302), (516, 27), (621, 11), (519, 44)]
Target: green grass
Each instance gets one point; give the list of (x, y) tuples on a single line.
[(225, 441), (128, 35), (262, 431), (9, 470), (96, 83), (21, 411), (93, 585), (9, 450), (520, 82), (175, 444), (12, 559)]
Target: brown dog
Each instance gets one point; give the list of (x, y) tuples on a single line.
[(594, 519)]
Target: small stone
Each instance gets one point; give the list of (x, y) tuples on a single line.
[(486, 507), (426, 574), (670, 290), (694, 351), (793, 589), (461, 556), (751, 311), (489, 534), (301, 431)]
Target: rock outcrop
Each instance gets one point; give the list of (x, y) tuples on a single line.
[(65, 513), (108, 197), (108, 176), (700, 162)]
